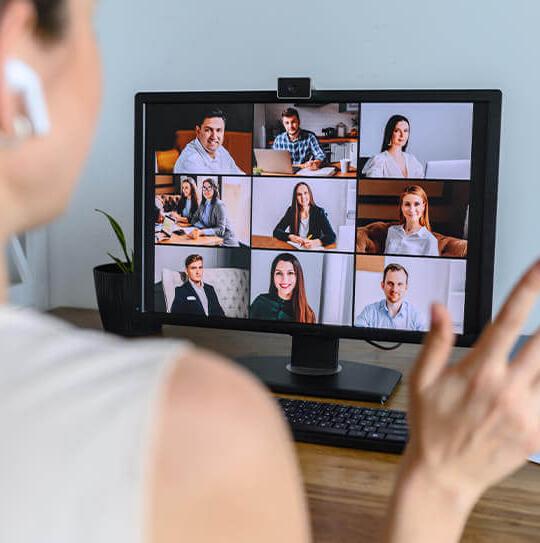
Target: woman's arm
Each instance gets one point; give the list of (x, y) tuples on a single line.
[(218, 219), (374, 166), (280, 231), (325, 232), (249, 491), (472, 423), (433, 248), (415, 167)]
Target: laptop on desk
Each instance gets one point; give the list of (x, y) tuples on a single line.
[(448, 169), (274, 161), (279, 162)]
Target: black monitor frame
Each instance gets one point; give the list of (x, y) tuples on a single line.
[(482, 214)]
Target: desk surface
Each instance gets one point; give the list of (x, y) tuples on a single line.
[(269, 242), (348, 489), (350, 174), (183, 239)]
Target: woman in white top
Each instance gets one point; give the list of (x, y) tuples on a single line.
[(413, 236), (393, 161), (150, 442)]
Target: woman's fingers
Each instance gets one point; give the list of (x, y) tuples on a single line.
[(499, 338), (526, 364), (436, 349)]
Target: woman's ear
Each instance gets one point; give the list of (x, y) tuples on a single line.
[(22, 104), (23, 81)]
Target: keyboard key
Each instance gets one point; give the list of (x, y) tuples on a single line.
[(321, 430), (355, 433), (400, 438), (375, 435)]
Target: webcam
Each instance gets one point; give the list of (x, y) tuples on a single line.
[(294, 87)]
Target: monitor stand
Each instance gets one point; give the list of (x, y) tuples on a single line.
[(315, 370)]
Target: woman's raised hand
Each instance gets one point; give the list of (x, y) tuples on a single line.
[(476, 422), (471, 424)]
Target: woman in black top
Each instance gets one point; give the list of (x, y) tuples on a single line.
[(305, 222)]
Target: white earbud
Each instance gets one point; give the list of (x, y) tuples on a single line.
[(23, 80)]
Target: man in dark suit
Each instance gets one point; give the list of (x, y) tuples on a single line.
[(195, 297)]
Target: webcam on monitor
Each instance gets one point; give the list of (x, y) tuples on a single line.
[(294, 87)]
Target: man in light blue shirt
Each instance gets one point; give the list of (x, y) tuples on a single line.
[(393, 312), (206, 154)]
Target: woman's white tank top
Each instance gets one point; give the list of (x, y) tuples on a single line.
[(76, 410)]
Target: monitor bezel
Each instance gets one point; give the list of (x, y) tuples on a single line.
[(483, 227)]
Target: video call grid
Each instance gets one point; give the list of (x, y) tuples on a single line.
[(358, 178)]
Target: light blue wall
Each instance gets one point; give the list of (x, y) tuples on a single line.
[(194, 45)]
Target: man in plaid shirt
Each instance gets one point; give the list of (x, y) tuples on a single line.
[(303, 145)]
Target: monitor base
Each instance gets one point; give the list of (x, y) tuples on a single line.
[(355, 381)]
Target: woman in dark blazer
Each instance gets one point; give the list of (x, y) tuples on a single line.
[(305, 222)]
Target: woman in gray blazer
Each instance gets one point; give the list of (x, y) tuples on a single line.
[(210, 219)]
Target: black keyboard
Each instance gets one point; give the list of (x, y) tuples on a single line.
[(346, 426)]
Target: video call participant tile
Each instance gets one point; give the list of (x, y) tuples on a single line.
[(416, 141), (202, 282), (424, 218), (396, 292), (204, 211), (309, 288), (294, 139), (308, 214), (201, 138)]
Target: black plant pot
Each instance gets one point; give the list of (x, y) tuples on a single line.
[(115, 292)]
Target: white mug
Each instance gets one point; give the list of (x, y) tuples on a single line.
[(344, 162)]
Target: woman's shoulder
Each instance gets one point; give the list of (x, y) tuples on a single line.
[(427, 233), (376, 164), (379, 158), (264, 298), (44, 337)]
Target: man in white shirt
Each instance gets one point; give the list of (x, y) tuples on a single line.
[(195, 297), (206, 154), (393, 312)]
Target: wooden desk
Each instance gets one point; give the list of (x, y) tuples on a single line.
[(350, 174), (348, 489), (269, 242), (183, 239)]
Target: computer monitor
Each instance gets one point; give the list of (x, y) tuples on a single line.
[(389, 206)]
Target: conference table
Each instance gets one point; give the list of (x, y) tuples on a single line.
[(348, 490)]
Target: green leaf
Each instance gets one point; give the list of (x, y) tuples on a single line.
[(121, 239), (119, 263)]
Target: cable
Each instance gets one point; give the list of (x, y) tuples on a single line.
[(379, 346)]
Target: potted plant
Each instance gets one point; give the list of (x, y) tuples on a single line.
[(115, 292)]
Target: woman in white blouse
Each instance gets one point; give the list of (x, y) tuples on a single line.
[(105, 439), (413, 235), (393, 161)]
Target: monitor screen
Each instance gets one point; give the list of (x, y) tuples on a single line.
[(347, 216)]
